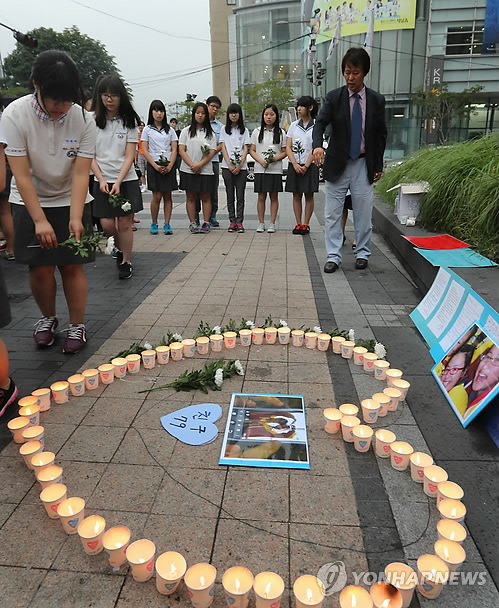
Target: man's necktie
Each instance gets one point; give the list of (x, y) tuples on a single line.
[(356, 128)]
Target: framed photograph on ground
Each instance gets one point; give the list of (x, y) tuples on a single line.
[(468, 374), (266, 431)]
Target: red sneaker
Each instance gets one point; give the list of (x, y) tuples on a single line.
[(297, 229), (44, 332), (76, 338)]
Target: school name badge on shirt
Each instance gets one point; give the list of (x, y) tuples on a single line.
[(71, 147), (120, 134)]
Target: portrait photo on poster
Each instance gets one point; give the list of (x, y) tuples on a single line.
[(468, 374)]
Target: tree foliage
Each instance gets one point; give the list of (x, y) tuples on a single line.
[(90, 56), (253, 98), (182, 111), (445, 107)]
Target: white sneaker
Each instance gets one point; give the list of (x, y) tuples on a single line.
[(143, 188), (271, 228), (261, 228)]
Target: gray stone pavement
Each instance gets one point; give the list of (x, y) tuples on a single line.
[(349, 507)]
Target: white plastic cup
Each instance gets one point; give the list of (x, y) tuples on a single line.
[(453, 510), (270, 335), (32, 412), (115, 542), (71, 513), (403, 386), (189, 347), (91, 379), (380, 368), (311, 340), (332, 417), (358, 355), (368, 364), (203, 345), (49, 476), (349, 409), (347, 425), (297, 337), (16, 426), (383, 441), (77, 385), (283, 335), (451, 530), (43, 396), (347, 349), (419, 460), (395, 396), (384, 401), (35, 433), (268, 588), (451, 553), (237, 583), (29, 401), (30, 449), (393, 374), (170, 568), (309, 592), (403, 578), (60, 391), (432, 476), (362, 437), (148, 359), (217, 342), (51, 498), (106, 373), (449, 489), (41, 461), (257, 333), (401, 452), (323, 341), (245, 337), (140, 555), (370, 409), (91, 531), (433, 573), (176, 351), (133, 363), (120, 367), (162, 354), (336, 342), (230, 339), (200, 581)]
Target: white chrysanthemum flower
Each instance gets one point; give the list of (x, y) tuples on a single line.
[(380, 350), (282, 323), (126, 206), (109, 246), (216, 330), (163, 152), (148, 346), (239, 368), (219, 377), (318, 329), (351, 335), (177, 337), (250, 325)]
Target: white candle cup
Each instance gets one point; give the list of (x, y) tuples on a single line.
[(432, 476), (203, 344), (395, 396), (140, 555), (91, 379), (43, 396), (451, 553), (77, 385), (245, 337), (383, 441), (28, 450), (449, 489), (359, 353), (177, 350), (433, 573), (419, 460), (115, 542), (368, 364), (347, 425), (200, 582), (170, 568), (106, 373), (49, 475), (403, 578), (336, 342), (401, 452), (16, 426), (403, 386), (41, 461), (189, 347), (283, 335), (393, 374), (270, 335), (91, 531), (120, 367), (297, 337), (385, 595), (29, 401), (35, 433), (133, 363), (308, 591), (310, 340), (32, 412), (60, 391), (380, 368), (362, 437), (384, 401), (370, 409), (451, 509), (163, 354), (71, 513), (268, 588), (355, 597), (347, 349), (52, 497), (230, 339), (332, 417), (257, 333), (451, 530), (349, 409), (217, 342), (149, 358), (237, 583), (323, 341)]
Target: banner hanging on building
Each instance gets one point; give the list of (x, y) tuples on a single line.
[(355, 16)]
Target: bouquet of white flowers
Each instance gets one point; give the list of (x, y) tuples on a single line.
[(118, 201), (162, 160), (205, 150), (236, 157), (298, 150), (268, 155)]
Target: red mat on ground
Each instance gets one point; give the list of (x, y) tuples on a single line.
[(442, 241)]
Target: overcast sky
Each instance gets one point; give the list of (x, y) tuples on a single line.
[(151, 62)]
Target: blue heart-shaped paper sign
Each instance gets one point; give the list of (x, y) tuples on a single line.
[(73, 523), (230, 599), (194, 424), (427, 587), (170, 586), (362, 444)]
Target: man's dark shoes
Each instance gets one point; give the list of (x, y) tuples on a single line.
[(330, 267), (361, 264)]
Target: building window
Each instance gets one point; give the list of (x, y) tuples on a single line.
[(464, 40), (231, 2)]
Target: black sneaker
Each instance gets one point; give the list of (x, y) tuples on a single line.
[(214, 223), (8, 396), (125, 270)]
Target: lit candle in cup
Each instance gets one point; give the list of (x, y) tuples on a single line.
[(51, 498), (449, 508), (347, 349), (60, 391), (283, 334), (91, 531), (34, 433), (380, 368), (298, 337), (200, 581), (189, 347), (393, 374), (257, 334), (32, 412), (370, 409), (149, 358), (308, 591), (106, 373), (230, 339), (403, 386), (403, 578), (347, 425), (401, 452), (384, 439), (395, 396), (245, 337), (349, 409), (170, 568), (451, 553), (332, 416), (29, 401), (323, 341), (120, 367), (358, 355), (384, 401), (91, 379), (30, 449), (43, 396), (77, 385), (419, 460), (336, 342), (433, 573), (362, 437), (49, 475), (432, 476), (449, 489), (216, 341), (41, 461), (133, 363), (71, 513), (203, 344), (385, 595), (177, 350), (270, 335), (355, 597), (16, 426), (140, 555), (115, 541), (451, 530), (369, 359), (268, 588), (163, 354), (237, 583), (310, 339)]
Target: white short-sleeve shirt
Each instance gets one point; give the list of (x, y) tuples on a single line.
[(268, 143), (193, 148), (159, 142), (3, 139), (235, 138), (110, 149), (51, 147), (300, 134)]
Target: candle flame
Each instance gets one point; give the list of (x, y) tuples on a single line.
[(453, 512), (238, 585), (354, 600), (202, 581), (173, 569), (267, 589), (433, 572), (310, 596)]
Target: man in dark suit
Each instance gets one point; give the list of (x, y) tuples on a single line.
[(354, 157)]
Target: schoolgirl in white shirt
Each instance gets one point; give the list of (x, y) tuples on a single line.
[(268, 149), (113, 166)]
